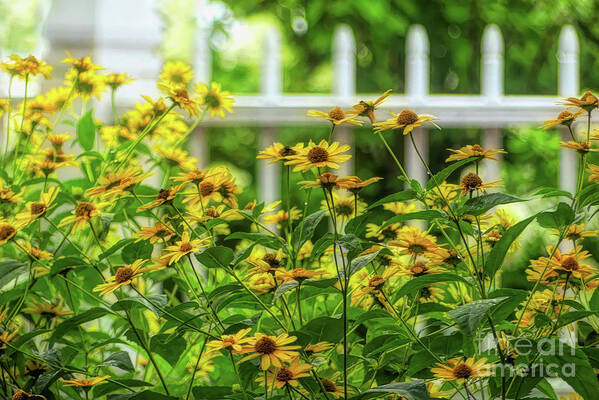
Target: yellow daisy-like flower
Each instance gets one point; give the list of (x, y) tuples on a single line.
[(278, 152), (57, 98), (472, 182), (272, 350), (417, 243), (176, 157), (28, 66), (83, 64), (176, 73), (84, 212), (261, 283), (581, 147), (123, 277), (113, 184), (161, 231), (286, 375), (572, 396), (115, 81), (462, 370), (587, 102), (183, 247), (564, 118), (180, 96), (366, 108), (282, 216), (328, 180), (36, 209), (355, 184), (35, 252), (406, 120), (344, 207), (336, 116), (319, 155), (216, 100), (316, 350), (164, 196), (7, 195), (332, 388), (576, 232), (594, 173), (87, 84), (390, 232), (86, 382), (474, 150), (262, 261), (297, 274), (400, 207), (48, 310), (8, 231), (233, 343)]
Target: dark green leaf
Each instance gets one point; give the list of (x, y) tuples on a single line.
[(120, 359), (141, 250), (216, 257), (562, 216), (86, 131), (145, 395), (155, 300), (307, 228), (484, 203), (426, 215), (399, 196), (469, 316), (497, 254), (212, 392), (73, 322), (326, 329), (426, 280), (168, 347), (284, 287), (444, 173)]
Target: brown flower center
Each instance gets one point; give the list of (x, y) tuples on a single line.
[(206, 188), (123, 274), (376, 281), (570, 264), (416, 248), (265, 345), (407, 117), (287, 151), (418, 268), (462, 371), (271, 259), (84, 210), (328, 385), (185, 247), (163, 194), (6, 232), (284, 375), (212, 100), (37, 208), (212, 212), (477, 148), (20, 395), (389, 233), (565, 115), (337, 114), (318, 155), (471, 182)]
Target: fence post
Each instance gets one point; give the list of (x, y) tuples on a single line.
[(567, 86), (417, 89), (492, 90), (271, 87), (344, 85), (202, 69)]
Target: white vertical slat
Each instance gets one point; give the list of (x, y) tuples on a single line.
[(198, 146), (271, 86), (492, 91), (568, 86), (344, 84), (417, 89)]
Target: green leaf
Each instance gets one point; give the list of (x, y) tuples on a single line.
[(594, 302), (265, 240), (399, 196), (426, 280), (552, 192), (9, 269), (497, 254), (307, 228), (284, 287), (357, 225), (572, 316), (71, 323), (129, 303), (484, 203), (444, 173), (216, 257), (115, 247), (414, 390), (145, 395), (242, 255), (326, 329), (168, 347), (562, 216), (141, 250), (212, 392), (120, 359), (426, 215), (469, 316), (360, 262), (86, 131)]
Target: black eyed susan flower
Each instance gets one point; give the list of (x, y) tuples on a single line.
[(474, 150), (123, 277), (263, 261), (336, 116), (233, 343), (406, 120), (366, 108), (389, 232), (577, 232), (401, 207), (8, 231), (176, 157), (429, 294), (328, 180), (417, 243), (216, 100), (180, 96), (26, 67), (316, 350), (281, 217), (8, 196), (176, 73), (115, 81), (161, 231), (297, 274), (319, 155), (472, 182), (332, 388), (344, 206), (588, 101), (279, 152), (35, 252), (272, 350), (48, 310), (22, 395), (114, 184), (164, 196), (183, 247), (564, 118), (86, 382), (37, 209), (581, 147), (83, 64), (261, 283), (84, 212), (462, 370), (87, 84), (286, 375)]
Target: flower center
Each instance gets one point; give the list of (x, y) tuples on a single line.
[(570, 264), (6, 232), (389, 233), (38, 208), (284, 375), (345, 209), (416, 248), (418, 268), (472, 182), (476, 148), (206, 188), (336, 114), (407, 117), (462, 371), (564, 115), (265, 345), (318, 155), (84, 210), (376, 281), (163, 194), (212, 100), (328, 385), (186, 247), (123, 274), (271, 260), (287, 151)]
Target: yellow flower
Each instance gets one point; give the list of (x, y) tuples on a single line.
[(84, 212), (581, 147), (48, 310), (180, 96), (572, 396), (366, 108), (28, 66), (472, 182), (35, 252), (332, 388), (406, 120), (336, 116), (355, 184), (83, 64), (8, 196), (164, 196), (286, 375), (57, 98), (86, 382), (176, 73), (279, 152), (576, 232), (297, 274), (115, 81), (462, 370), (214, 99), (123, 277), (37, 209), (272, 350), (261, 283), (594, 173), (8, 231), (319, 155), (281, 217), (587, 102), (183, 247), (389, 232), (400, 207), (473, 151), (564, 118), (417, 243), (315, 350), (265, 262), (113, 184), (161, 231), (233, 343), (328, 180), (344, 207), (4, 106), (175, 157), (87, 84)]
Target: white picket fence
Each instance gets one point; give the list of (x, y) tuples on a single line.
[(126, 41)]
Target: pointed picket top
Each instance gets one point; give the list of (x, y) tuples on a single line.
[(492, 63), (272, 73), (567, 57), (417, 62)]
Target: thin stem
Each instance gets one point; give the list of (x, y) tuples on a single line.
[(403, 171), (299, 303)]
